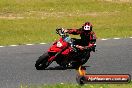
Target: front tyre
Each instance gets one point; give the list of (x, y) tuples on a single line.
[(42, 62)]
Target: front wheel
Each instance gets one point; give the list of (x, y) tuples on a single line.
[(42, 62)]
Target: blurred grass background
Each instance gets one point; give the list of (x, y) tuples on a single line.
[(35, 21)]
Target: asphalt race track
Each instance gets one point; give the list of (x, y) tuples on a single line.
[(17, 64)]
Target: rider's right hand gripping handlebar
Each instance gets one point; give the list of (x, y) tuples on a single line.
[(57, 30), (60, 31)]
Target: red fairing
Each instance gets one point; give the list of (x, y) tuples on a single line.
[(67, 51), (58, 46)]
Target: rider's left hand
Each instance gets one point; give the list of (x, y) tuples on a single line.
[(90, 45)]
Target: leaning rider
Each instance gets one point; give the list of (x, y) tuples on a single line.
[(88, 37)]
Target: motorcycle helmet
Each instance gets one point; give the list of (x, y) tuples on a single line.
[(87, 26)]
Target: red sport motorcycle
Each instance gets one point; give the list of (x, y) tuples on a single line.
[(65, 53)]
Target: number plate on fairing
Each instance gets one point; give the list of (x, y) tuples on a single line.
[(59, 44)]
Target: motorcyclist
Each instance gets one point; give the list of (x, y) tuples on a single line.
[(88, 37)]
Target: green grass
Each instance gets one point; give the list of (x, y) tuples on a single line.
[(78, 86), (35, 21)]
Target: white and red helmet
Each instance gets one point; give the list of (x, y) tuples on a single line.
[(87, 26)]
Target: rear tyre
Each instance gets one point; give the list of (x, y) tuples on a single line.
[(42, 62), (82, 62), (86, 58), (75, 65)]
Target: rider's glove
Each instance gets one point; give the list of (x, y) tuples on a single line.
[(92, 47)]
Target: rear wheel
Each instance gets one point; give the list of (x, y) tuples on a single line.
[(42, 62), (82, 61), (86, 58)]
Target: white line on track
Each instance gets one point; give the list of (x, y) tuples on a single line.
[(45, 43), (116, 38), (42, 43), (2, 46), (30, 44), (13, 45), (104, 39)]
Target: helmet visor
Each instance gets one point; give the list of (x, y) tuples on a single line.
[(87, 27)]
